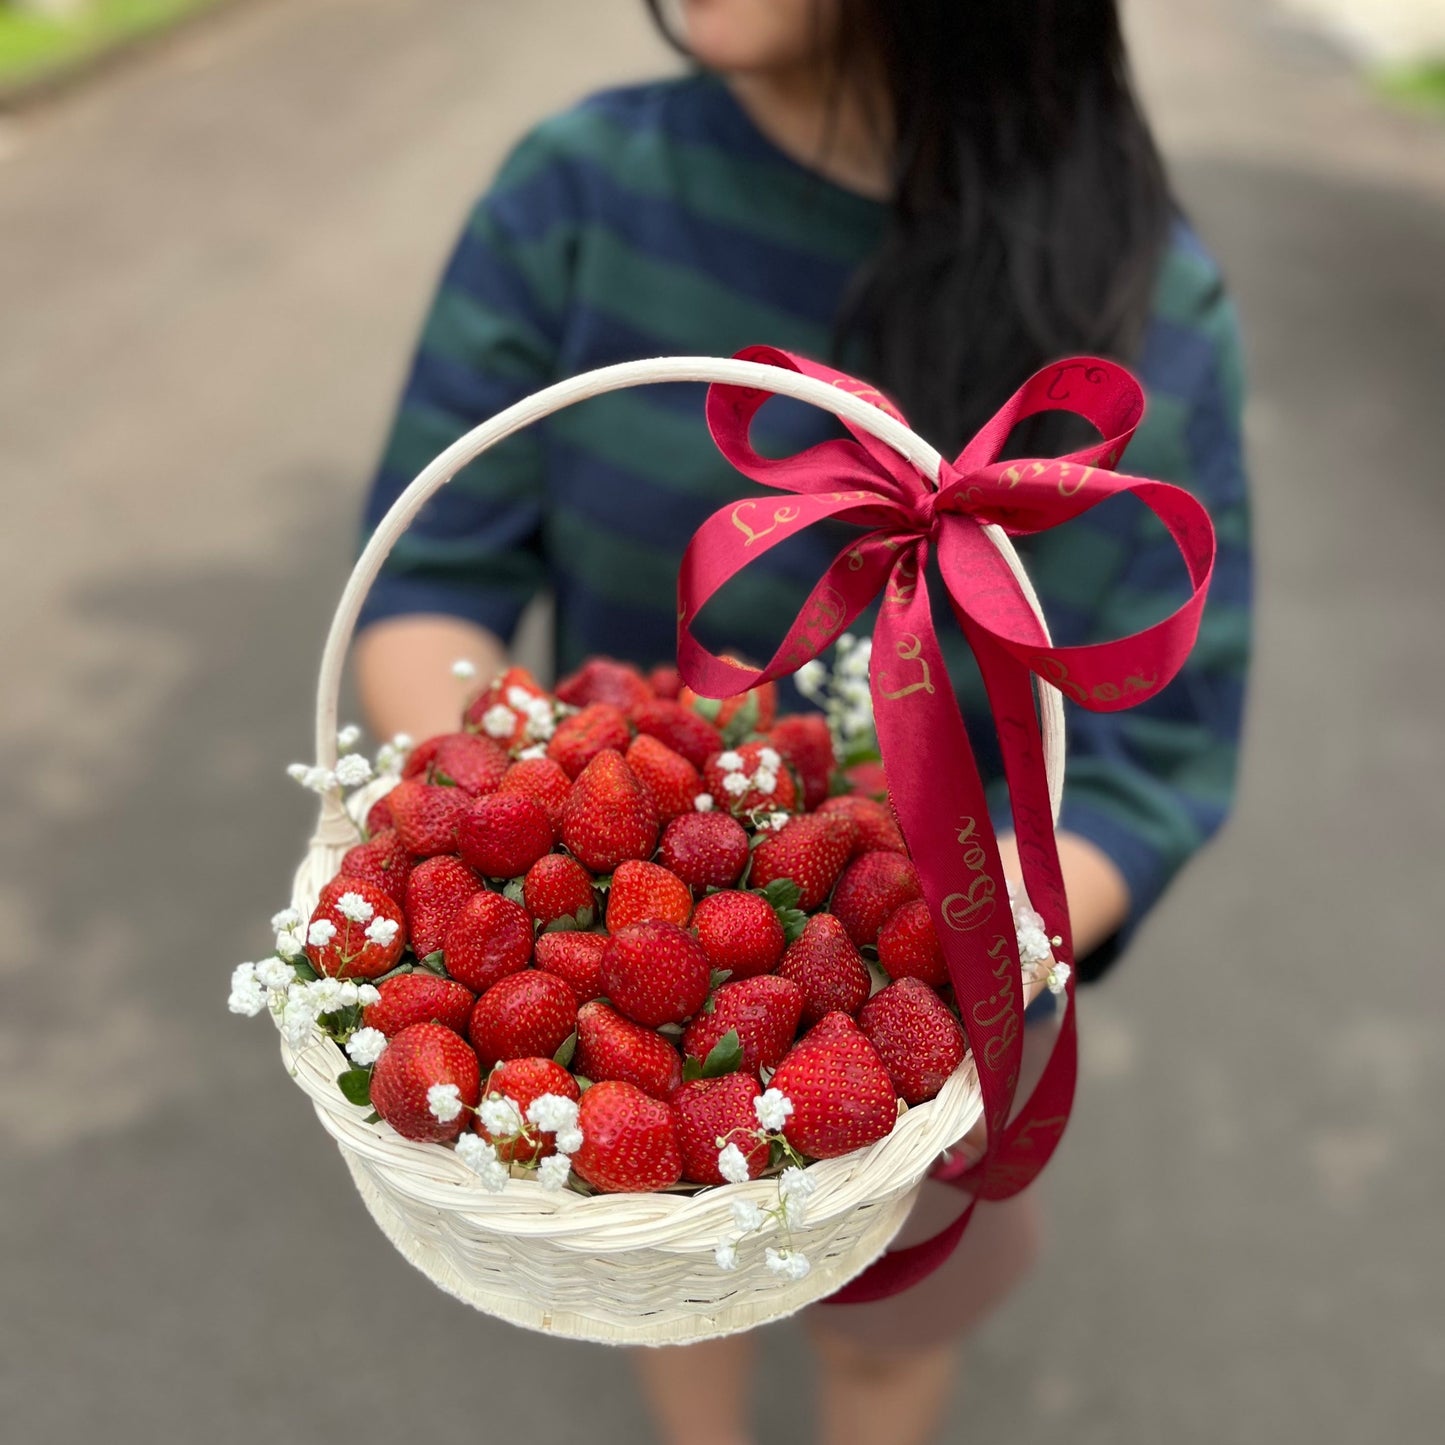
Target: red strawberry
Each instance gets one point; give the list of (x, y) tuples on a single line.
[(558, 887), (739, 932), (682, 730), (872, 888), (917, 1037), (416, 1060), (705, 850), (765, 698), (378, 817), (655, 973), (419, 998), (841, 1094), (666, 682), (582, 736), (667, 777), (868, 780), (827, 967), (420, 758), (764, 1011), (541, 780), (877, 828), (499, 692), (351, 953), (525, 1015), (711, 1109), (383, 862), (469, 761), (629, 1140), (806, 743), (908, 945), (607, 817), (427, 816), (523, 1081), (612, 1047), (435, 892), (771, 784), (575, 957), (501, 837), (490, 938), (811, 850), (642, 891), (602, 679)]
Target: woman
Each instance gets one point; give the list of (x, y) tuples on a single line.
[(939, 195)]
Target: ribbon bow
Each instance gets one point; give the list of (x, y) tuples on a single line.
[(933, 779)]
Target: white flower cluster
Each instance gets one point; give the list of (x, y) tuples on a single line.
[(1034, 943), (736, 780), (391, 757), (843, 692), (502, 1117), (304, 1003), (541, 718), (352, 769)]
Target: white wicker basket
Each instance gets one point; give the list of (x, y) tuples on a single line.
[(624, 1268)]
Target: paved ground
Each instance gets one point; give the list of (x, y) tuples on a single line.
[(212, 263)]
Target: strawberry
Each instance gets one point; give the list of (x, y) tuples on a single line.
[(612, 1047), (351, 953), (667, 777), (607, 817), (419, 998), (576, 958), (469, 761), (582, 736), (806, 744), (514, 686), (427, 816), (523, 1081), (705, 850), (541, 780), (811, 850), (378, 817), (872, 888), (501, 837), (756, 708), (764, 1011), (841, 1094), (383, 862), (771, 784), (642, 891), (655, 973), (679, 727), (559, 888), (829, 970), (436, 889), (919, 1040), (603, 679), (417, 1059), (908, 945), (739, 932), (522, 1016), (420, 758), (490, 938), (665, 682), (867, 780), (629, 1140), (711, 1109), (877, 828)]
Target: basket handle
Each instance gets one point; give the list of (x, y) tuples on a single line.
[(334, 826)]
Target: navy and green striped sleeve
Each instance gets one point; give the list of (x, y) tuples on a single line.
[(491, 338), (1150, 785)]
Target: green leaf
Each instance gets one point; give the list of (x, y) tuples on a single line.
[(513, 890), (443, 780), (691, 1069), (707, 707), (725, 1056), (355, 1084), (743, 723), (861, 750), (564, 1054), (794, 921), (342, 1022), (718, 977), (782, 893), (303, 968), (602, 884), (432, 963), (583, 1083), (372, 1118)]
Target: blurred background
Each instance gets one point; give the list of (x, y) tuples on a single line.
[(215, 246)]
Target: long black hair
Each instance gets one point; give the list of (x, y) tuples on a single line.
[(1030, 207)]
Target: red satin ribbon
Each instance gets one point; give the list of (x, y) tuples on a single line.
[(934, 781)]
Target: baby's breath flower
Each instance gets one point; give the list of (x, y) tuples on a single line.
[(248, 997), (794, 1189), (730, 761), (735, 783), (353, 770), (286, 919), (746, 1215), (464, 668), (481, 1158), (499, 721), (290, 943), (726, 1254), (403, 742), (774, 820), (382, 931), (772, 1107), (355, 907), (345, 993), (367, 993), (569, 1140), (297, 772), (811, 678), (325, 994), (321, 932), (554, 1171), (1059, 978), (770, 758), (552, 1112), (703, 803), (445, 1102), (535, 751), (521, 699), (500, 1114), (319, 780), (365, 1046), (275, 973), (348, 737), (788, 1263), (732, 1164), (298, 1018)]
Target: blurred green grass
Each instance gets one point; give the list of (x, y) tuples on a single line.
[(1421, 86), (36, 47)]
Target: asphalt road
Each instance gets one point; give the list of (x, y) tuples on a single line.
[(213, 260)]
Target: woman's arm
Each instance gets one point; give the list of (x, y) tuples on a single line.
[(1097, 891)]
